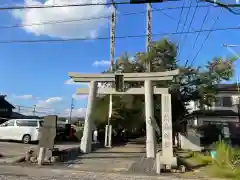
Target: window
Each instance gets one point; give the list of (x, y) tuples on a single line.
[(41, 123), (3, 110), (223, 101), (9, 123), (227, 101), (29, 123), (218, 101)]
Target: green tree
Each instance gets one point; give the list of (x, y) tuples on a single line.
[(192, 84)]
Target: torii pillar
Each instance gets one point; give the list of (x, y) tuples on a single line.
[(86, 141)]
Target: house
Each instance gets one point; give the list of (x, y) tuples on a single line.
[(224, 109), (7, 111), (6, 108), (222, 114)]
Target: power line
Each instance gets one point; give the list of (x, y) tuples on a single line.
[(190, 25), (60, 6), (92, 18), (180, 16), (187, 16), (196, 39), (226, 6), (205, 40), (118, 37), (175, 19), (63, 5), (184, 26), (69, 21)]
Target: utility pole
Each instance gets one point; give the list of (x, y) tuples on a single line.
[(238, 103), (149, 113), (71, 109), (108, 129), (34, 110)]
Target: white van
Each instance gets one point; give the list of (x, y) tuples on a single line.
[(25, 130)]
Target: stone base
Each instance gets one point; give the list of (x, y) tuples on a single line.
[(167, 161), (163, 163)]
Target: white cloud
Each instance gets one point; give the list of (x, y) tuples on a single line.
[(79, 97), (101, 63), (49, 102), (71, 82), (25, 96), (79, 112), (76, 29)]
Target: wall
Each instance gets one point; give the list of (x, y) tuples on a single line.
[(194, 105), (191, 141)]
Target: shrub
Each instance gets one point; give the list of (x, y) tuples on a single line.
[(227, 157)]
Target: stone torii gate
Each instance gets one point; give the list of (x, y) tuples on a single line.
[(167, 146)]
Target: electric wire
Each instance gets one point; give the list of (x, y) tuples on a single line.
[(205, 40), (198, 34), (181, 12), (179, 52), (190, 26), (117, 37), (91, 18)]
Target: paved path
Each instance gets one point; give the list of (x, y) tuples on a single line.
[(34, 173), (118, 158)]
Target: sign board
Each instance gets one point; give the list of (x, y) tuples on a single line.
[(48, 132)]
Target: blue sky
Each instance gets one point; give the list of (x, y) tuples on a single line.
[(36, 73)]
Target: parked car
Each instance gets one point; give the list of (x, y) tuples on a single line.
[(25, 130)]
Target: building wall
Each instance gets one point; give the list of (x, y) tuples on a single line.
[(194, 105)]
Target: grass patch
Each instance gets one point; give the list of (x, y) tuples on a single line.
[(226, 165), (197, 159), (220, 172)]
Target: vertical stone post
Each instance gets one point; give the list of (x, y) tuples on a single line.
[(86, 142), (149, 114), (41, 155), (106, 136), (110, 136), (167, 144)]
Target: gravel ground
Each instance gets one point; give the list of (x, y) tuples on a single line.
[(93, 176), (75, 178), (34, 173)]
